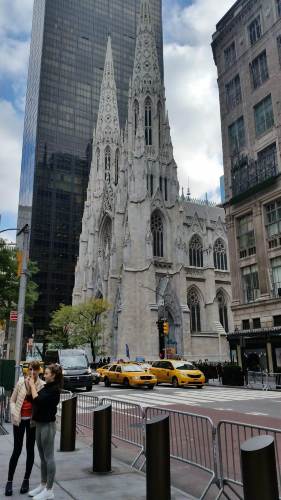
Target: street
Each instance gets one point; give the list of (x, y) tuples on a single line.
[(225, 401)]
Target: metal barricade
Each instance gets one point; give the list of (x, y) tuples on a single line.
[(86, 403), (257, 380), (230, 436), (127, 421), (192, 440), (63, 396)]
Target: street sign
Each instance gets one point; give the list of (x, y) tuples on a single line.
[(13, 315)]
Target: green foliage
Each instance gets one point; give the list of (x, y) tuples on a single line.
[(9, 282), (78, 325)]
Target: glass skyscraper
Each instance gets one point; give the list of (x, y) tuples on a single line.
[(67, 56)]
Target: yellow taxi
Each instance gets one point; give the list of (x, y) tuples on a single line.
[(178, 373), (128, 375), (25, 364), (102, 370)]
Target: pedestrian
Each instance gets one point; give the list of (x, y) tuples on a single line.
[(45, 405), (21, 413), (108, 360)]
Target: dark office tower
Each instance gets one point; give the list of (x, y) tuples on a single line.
[(65, 70)]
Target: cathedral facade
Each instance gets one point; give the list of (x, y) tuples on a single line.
[(152, 253)]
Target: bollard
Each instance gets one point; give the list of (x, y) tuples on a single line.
[(102, 439), (259, 469), (68, 424), (158, 474)]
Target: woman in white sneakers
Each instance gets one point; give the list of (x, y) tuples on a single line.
[(45, 405), (21, 412)]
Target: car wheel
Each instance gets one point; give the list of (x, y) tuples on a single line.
[(126, 382), (199, 386), (97, 381), (150, 387), (107, 382), (89, 388), (175, 382)]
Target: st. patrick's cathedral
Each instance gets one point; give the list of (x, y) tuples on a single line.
[(152, 252)]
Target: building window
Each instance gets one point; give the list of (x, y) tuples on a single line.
[(245, 324), (193, 303), (136, 116), (196, 252), (220, 257), (250, 281), (166, 188), (222, 305), (273, 218), (279, 48), (259, 70), (151, 185), (236, 135), (278, 3), (246, 236), (277, 320), (157, 234), (256, 323), (148, 122), (254, 30), (264, 119), (116, 167), (276, 276), (107, 164), (229, 55), (233, 92), (161, 183)]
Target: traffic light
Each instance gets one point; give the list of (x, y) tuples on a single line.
[(166, 328), (19, 261)]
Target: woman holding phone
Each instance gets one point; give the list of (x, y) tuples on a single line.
[(21, 413), (45, 405)]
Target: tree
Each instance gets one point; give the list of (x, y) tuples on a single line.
[(9, 282), (78, 325)]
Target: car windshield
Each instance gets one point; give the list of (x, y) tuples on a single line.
[(184, 366), (131, 368), (79, 361)]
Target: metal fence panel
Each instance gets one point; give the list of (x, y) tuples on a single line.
[(86, 404), (230, 437), (127, 421)]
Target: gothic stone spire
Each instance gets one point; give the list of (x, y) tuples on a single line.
[(107, 129), (146, 73)]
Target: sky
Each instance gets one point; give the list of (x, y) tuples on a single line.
[(191, 91)]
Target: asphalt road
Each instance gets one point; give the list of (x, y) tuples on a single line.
[(219, 402)]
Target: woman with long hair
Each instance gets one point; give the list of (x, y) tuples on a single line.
[(21, 413), (45, 405)]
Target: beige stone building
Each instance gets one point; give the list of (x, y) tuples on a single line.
[(247, 53), (153, 253)]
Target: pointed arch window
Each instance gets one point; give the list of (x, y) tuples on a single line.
[(220, 257), (107, 164), (159, 117), (136, 116), (196, 251), (116, 167), (222, 305), (157, 231), (193, 302), (98, 158), (148, 122)]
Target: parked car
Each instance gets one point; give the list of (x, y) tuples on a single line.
[(178, 373), (129, 375), (75, 365), (96, 376)]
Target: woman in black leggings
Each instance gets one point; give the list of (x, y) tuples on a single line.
[(21, 411)]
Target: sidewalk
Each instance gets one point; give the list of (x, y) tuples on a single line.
[(74, 478)]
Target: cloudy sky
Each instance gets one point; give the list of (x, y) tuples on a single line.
[(190, 80)]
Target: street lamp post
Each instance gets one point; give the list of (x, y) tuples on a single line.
[(22, 292)]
